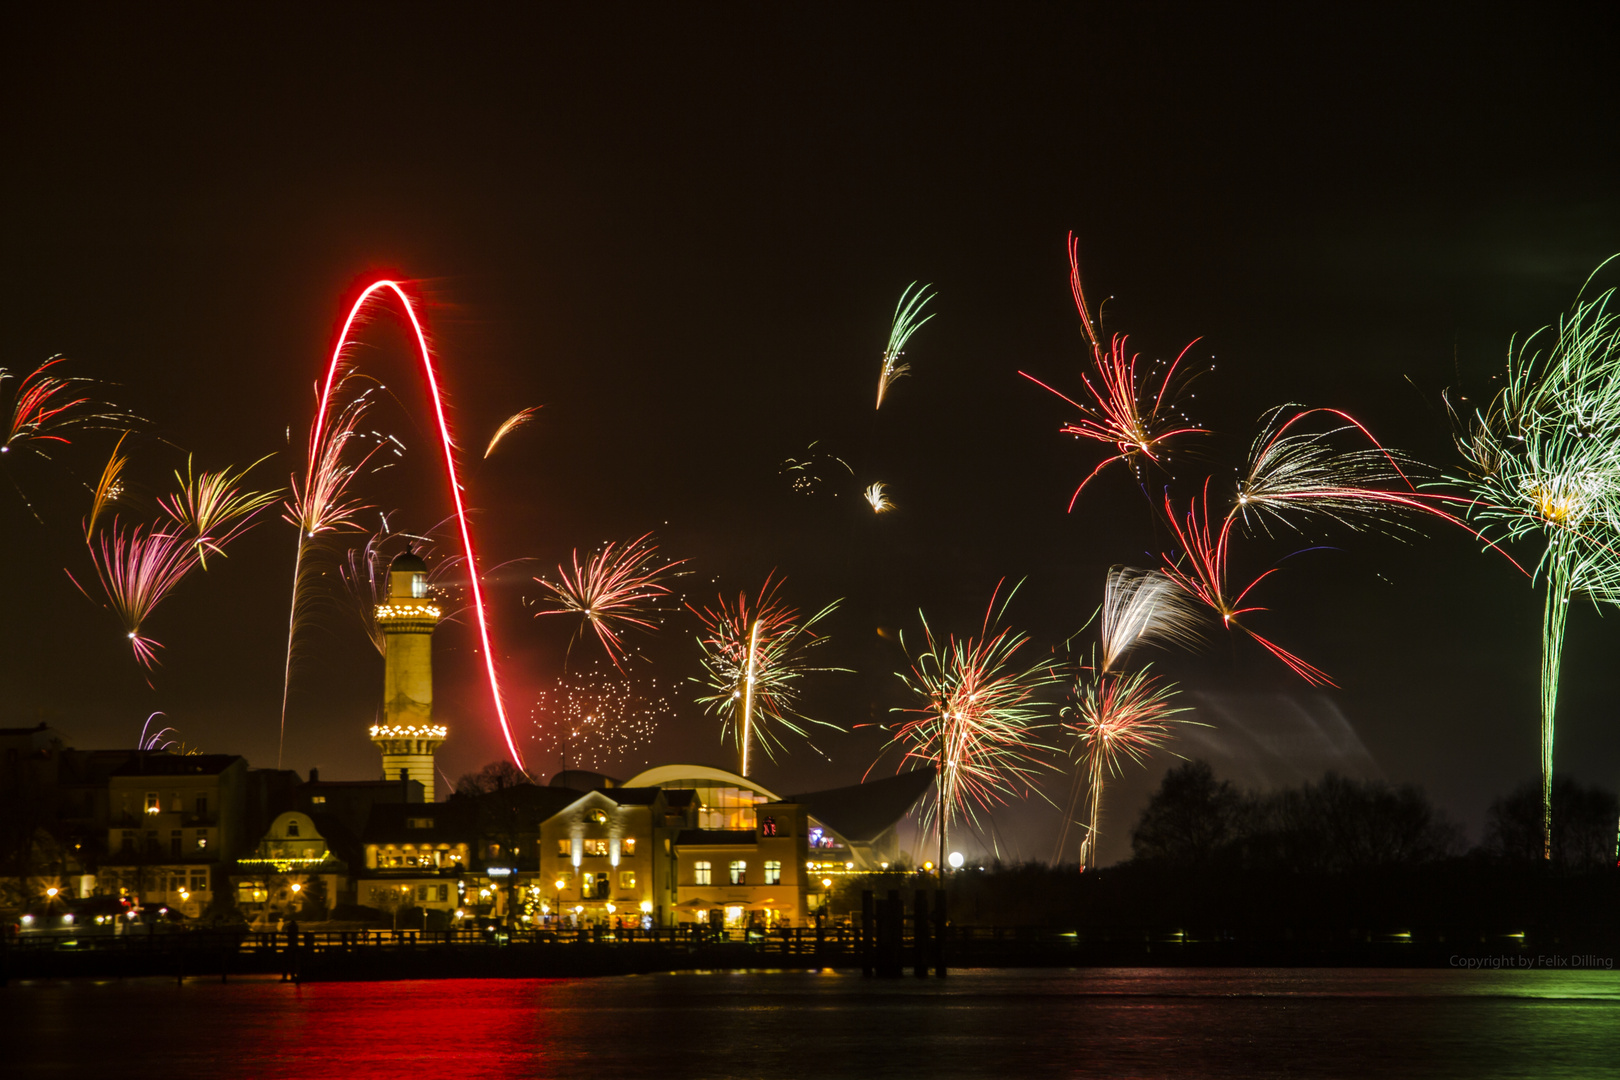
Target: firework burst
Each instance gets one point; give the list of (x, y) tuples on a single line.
[(597, 718), (509, 425), (1116, 716), (1202, 572), (1145, 607), (617, 588), (1122, 407), (754, 658), (905, 324), (877, 497), (1543, 467), (977, 720), (214, 508), (138, 567), (47, 407), (110, 488)]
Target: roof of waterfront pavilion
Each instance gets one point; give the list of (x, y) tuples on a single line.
[(860, 817)]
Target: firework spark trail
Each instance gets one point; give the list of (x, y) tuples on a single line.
[(509, 425), (978, 719), (877, 498), (363, 578), (596, 718), (454, 481), (1121, 408), (753, 659), (1202, 572), (1117, 716), (110, 487), (904, 325), (1543, 465), (617, 588), (155, 740), (214, 508), (319, 505), (1142, 607), (46, 406), (138, 568)]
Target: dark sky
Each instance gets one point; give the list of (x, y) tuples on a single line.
[(683, 234)]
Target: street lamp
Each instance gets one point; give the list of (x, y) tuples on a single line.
[(956, 860)]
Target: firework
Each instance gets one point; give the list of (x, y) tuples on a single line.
[(138, 567), (47, 407), (155, 740), (1122, 408), (363, 578), (1292, 469), (754, 656), (318, 448), (805, 474), (1116, 716), (1142, 607), (109, 488), (1543, 467), (509, 425), (877, 498), (1202, 572), (214, 508), (977, 720), (904, 325), (617, 588), (596, 718)]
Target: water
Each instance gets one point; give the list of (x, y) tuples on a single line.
[(1002, 1024)]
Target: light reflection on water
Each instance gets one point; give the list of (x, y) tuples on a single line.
[(1208, 1022)]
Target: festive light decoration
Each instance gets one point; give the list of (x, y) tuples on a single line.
[(409, 731)]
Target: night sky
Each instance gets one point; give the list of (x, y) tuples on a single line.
[(683, 234)]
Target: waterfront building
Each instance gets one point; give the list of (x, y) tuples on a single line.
[(175, 820), (408, 736), (293, 870)]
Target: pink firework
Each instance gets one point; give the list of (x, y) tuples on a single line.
[(138, 568), (1202, 572), (617, 588), (1121, 407)]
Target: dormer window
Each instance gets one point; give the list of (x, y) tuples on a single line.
[(597, 817), (292, 829)]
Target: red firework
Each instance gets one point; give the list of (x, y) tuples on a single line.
[(1121, 408), (1202, 572), (617, 587)]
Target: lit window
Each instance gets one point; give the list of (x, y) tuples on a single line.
[(773, 873), (628, 845), (768, 827), (318, 800), (411, 823), (597, 817), (739, 872), (596, 847), (627, 879), (419, 588), (700, 873), (151, 802), (565, 848)]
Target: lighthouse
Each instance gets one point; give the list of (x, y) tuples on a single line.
[(408, 737)]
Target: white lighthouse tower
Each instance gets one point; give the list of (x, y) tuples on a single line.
[(408, 737)]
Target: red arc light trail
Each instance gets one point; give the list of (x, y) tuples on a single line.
[(332, 369)]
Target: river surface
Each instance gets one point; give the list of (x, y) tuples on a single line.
[(1003, 1024)]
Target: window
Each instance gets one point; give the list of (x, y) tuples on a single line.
[(202, 805), (410, 823), (199, 883), (768, 828), (597, 817), (628, 845), (422, 891), (700, 872), (564, 880), (773, 872), (127, 845), (565, 848), (318, 800), (596, 847), (739, 872), (292, 829), (151, 802), (419, 586), (627, 879), (444, 893), (174, 845)]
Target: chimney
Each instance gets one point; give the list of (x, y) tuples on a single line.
[(314, 775)]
